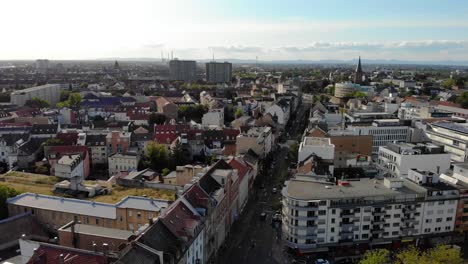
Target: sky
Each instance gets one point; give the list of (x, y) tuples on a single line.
[(422, 30)]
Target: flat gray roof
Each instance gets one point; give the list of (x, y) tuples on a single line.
[(67, 205), (100, 231), (143, 203), (34, 88), (308, 190)]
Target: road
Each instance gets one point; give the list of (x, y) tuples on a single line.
[(253, 240)]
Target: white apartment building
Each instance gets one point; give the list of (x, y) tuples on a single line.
[(396, 159), (384, 131), (214, 117), (365, 211), (69, 166), (452, 136), (322, 147), (48, 92), (120, 162)]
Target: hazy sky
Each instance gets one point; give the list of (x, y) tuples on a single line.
[(273, 29)]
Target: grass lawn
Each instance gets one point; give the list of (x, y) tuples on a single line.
[(43, 184)]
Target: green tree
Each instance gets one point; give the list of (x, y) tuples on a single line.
[(36, 102), (448, 83), (74, 100), (378, 256), (156, 156), (41, 169), (165, 171), (442, 254), (156, 118), (179, 156), (5, 193), (463, 100), (239, 113), (64, 94)]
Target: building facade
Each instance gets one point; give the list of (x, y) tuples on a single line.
[(119, 162), (182, 70), (48, 92), (218, 72), (452, 136)]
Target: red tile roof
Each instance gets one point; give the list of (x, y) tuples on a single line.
[(197, 197), (241, 168), (68, 138), (181, 221)]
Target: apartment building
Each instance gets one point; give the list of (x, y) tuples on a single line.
[(259, 139), (218, 72), (53, 212), (119, 162), (97, 148), (182, 70), (452, 136), (69, 166), (396, 159), (48, 92), (118, 142), (318, 215), (458, 177), (321, 147)]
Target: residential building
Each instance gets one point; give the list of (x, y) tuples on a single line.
[(53, 212), (259, 139), (54, 153), (182, 70), (122, 162), (166, 107), (218, 72), (321, 147), (9, 144), (452, 136), (48, 92), (280, 111), (458, 178), (44, 131), (97, 145), (214, 117), (118, 142), (396, 159), (320, 216), (351, 147), (183, 174)]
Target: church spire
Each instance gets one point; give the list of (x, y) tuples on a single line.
[(359, 68)]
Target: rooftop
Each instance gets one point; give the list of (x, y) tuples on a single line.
[(35, 88), (317, 141), (364, 188), (457, 127), (99, 231)]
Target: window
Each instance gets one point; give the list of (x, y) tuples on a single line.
[(449, 219), (333, 211), (428, 221), (332, 229), (396, 215), (365, 236), (396, 224), (321, 203), (441, 202), (437, 229), (447, 228), (97, 221), (430, 212), (138, 214), (438, 220), (395, 233), (322, 212), (427, 230), (130, 226), (333, 220), (365, 227), (130, 213)]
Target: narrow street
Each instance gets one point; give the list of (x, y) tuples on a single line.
[(253, 240)]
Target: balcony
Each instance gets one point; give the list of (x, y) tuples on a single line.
[(378, 222), (379, 213), (377, 231), (347, 215), (410, 221), (300, 246)]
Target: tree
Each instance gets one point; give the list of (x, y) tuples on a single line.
[(378, 256), (448, 83), (442, 254), (74, 100), (156, 118), (179, 156), (36, 102), (156, 156), (463, 100), (193, 112), (165, 171), (41, 170), (239, 113), (5, 193)]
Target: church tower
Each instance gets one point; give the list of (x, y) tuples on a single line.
[(358, 74)]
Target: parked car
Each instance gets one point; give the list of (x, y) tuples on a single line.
[(322, 261), (274, 190)]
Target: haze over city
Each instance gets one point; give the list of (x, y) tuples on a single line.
[(272, 30)]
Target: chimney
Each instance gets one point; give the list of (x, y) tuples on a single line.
[(105, 252), (72, 228), (61, 259)]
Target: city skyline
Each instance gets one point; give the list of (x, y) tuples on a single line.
[(272, 30)]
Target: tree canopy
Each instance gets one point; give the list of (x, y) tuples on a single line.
[(193, 112), (5, 193), (37, 103), (73, 101), (463, 100), (441, 254)]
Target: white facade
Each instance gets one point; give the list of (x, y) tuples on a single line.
[(322, 147), (363, 211), (69, 166), (194, 253), (282, 113), (119, 162), (397, 162), (214, 117), (382, 133), (453, 136), (48, 92)]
